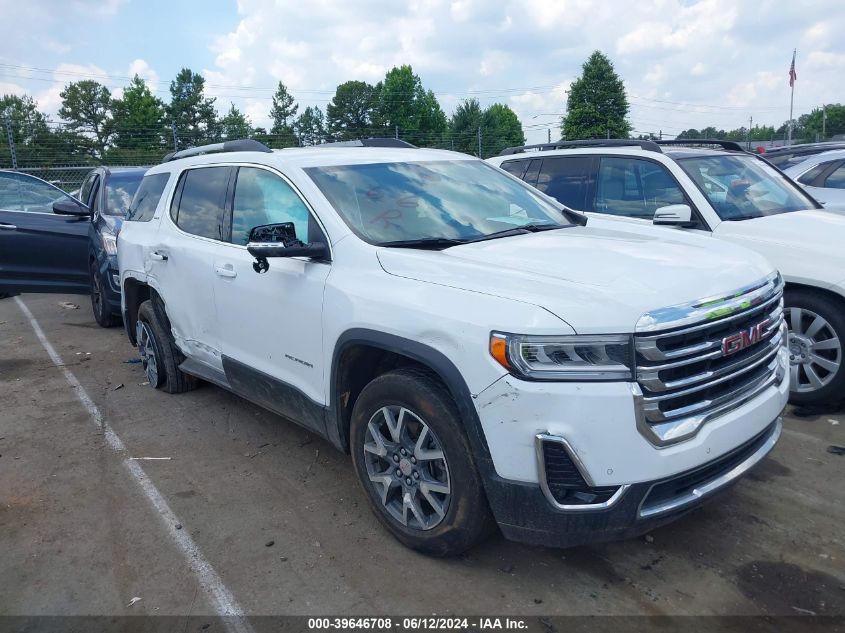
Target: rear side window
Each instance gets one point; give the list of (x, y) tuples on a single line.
[(567, 180), (199, 202), (810, 176), (836, 180), (515, 167), (144, 204)]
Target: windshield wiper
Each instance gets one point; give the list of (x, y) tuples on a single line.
[(431, 243), (519, 230)]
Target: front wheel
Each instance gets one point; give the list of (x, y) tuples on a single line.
[(414, 461), (102, 314), (816, 334)]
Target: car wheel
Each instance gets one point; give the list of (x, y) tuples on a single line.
[(102, 314), (816, 336), (160, 358), (414, 461)]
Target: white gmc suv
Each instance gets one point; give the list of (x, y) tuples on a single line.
[(481, 352), (726, 194)]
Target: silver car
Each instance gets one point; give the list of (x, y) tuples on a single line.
[(823, 176)]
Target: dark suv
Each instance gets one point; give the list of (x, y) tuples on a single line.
[(107, 191)]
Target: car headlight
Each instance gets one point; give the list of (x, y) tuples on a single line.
[(576, 357), (109, 243)]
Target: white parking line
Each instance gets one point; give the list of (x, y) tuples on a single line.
[(218, 594)]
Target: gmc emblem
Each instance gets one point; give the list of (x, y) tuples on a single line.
[(739, 341)]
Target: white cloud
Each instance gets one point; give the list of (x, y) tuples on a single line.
[(142, 69)]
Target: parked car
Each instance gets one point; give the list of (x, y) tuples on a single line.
[(107, 192), (789, 155), (480, 350), (823, 176), (43, 237), (725, 193)]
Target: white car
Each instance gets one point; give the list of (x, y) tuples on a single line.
[(481, 352), (726, 194), (823, 176)]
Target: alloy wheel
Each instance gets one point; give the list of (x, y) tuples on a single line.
[(147, 349), (815, 351), (96, 293), (407, 467)]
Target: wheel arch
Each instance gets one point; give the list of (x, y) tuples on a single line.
[(834, 293), (135, 292), (381, 352)]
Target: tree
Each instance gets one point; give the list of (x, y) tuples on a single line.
[(235, 125), (812, 127), (86, 106), (464, 125), (350, 113), (596, 106), (310, 126), (35, 143), (283, 114), (139, 123), (191, 112), (500, 129), (405, 106)]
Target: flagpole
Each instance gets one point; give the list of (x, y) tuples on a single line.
[(791, 97)]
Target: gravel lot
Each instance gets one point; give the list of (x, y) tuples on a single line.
[(280, 526)]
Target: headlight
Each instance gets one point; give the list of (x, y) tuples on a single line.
[(110, 243), (578, 357)]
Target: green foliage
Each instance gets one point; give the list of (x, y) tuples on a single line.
[(86, 106), (499, 125), (283, 114), (810, 125), (597, 105), (310, 126), (405, 105), (190, 111), (464, 126), (33, 139), (235, 125), (140, 131), (352, 110)]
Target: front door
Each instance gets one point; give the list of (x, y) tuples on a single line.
[(270, 323), (40, 251)]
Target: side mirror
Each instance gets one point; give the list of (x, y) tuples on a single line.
[(279, 240), (674, 215), (69, 206)]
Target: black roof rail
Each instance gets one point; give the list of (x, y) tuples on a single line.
[(370, 142), (596, 142), (731, 146), (240, 145)]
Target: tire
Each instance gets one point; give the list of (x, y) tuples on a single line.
[(102, 315), (816, 345), (464, 518), (160, 357)]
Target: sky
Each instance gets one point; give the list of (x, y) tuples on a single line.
[(685, 63)]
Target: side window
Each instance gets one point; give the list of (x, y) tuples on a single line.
[(19, 192), (836, 180), (515, 167), (262, 197), (146, 199), (635, 188), (94, 204), (567, 180), (532, 172), (810, 176), (87, 185), (201, 201)]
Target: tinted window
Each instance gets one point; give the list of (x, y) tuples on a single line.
[(199, 210), (85, 191), (261, 197), (144, 204), (530, 175), (810, 176), (635, 188), (451, 199), (515, 167), (119, 191), (19, 192), (836, 180), (567, 180)]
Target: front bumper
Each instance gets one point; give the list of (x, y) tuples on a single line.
[(525, 512)]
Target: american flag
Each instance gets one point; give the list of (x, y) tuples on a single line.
[(792, 74)]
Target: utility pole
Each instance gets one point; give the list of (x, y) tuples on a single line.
[(792, 77), (175, 138), (479, 141), (396, 133), (748, 136), (11, 138), (824, 121), (549, 130)]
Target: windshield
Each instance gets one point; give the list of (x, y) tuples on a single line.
[(120, 189), (437, 200), (744, 187)]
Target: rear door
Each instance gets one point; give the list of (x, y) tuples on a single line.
[(40, 251)]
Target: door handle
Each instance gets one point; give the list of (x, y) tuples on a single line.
[(159, 257), (226, 271), (7, 227)]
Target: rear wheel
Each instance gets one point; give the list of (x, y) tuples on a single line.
[(415, 464), (102, 314), (816, 335), (160, 357)]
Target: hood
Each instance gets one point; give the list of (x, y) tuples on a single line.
[(599, 278)]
